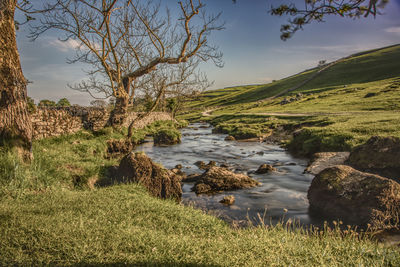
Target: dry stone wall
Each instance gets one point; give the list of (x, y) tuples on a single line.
[(57, 121), (152, 117)]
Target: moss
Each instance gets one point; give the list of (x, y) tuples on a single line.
[(168, 136), (312, 140)]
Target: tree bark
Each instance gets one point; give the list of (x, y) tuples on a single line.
[(120, 112), (15, 121)]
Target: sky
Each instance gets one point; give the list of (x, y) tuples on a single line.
[(251, 44)]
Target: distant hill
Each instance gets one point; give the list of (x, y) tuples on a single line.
[(367, 66)]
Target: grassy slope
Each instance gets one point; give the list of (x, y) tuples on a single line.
[(342, 107), (360, 68)]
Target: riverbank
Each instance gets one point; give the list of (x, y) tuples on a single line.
[(52, 214)]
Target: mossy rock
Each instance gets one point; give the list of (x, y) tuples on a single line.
[(167, 137), (341, 192)]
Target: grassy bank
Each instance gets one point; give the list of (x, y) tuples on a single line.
[(124, 225), (71, 162)]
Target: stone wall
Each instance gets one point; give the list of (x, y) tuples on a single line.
[(152, 117), (56, 121)]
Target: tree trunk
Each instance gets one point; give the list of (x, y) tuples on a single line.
[(120, 112), (15, 121)]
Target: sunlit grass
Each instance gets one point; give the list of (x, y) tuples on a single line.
[(124, 225)]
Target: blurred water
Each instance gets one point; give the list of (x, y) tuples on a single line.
[(282, 195)]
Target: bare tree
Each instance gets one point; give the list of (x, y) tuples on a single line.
[(317, 10), (180, 81), (123, 40), (15, 122)]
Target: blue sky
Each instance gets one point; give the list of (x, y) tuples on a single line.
[(253, 51)]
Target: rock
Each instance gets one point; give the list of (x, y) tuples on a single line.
[(230, 138), (370, 95), (218, 179), (224, 165), (323, 160), (160, 182), (389, 237), (261, 153), (178, 166), (265, 168), (355, 197), (202, 166), (228, 200), (179, 173), (192, 178), (167, 137), (120, 147), (379, 155)]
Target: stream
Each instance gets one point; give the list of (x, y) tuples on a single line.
[(282, 195)]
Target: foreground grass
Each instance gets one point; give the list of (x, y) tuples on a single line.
[(124, 225)]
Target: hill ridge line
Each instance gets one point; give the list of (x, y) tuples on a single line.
[(306, 81)]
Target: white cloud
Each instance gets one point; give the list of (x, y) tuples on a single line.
[(65, 46), (395, 30)]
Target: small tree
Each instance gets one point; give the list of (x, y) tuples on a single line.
[(63, 102), (46, 103), (31, 105), (170, 81)]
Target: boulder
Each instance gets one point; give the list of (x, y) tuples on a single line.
[(202, 166), (323, 160), (228, 200), (181, 175), (265, 168), (160, 182), (167, 137), (218, 179), (192, 178), (230, 138), (379, 155), (120, 147), (355, 197)]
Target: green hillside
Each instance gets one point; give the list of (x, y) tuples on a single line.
[(336, 109), (362, 67)]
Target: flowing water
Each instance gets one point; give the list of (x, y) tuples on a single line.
[(282, 195)]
